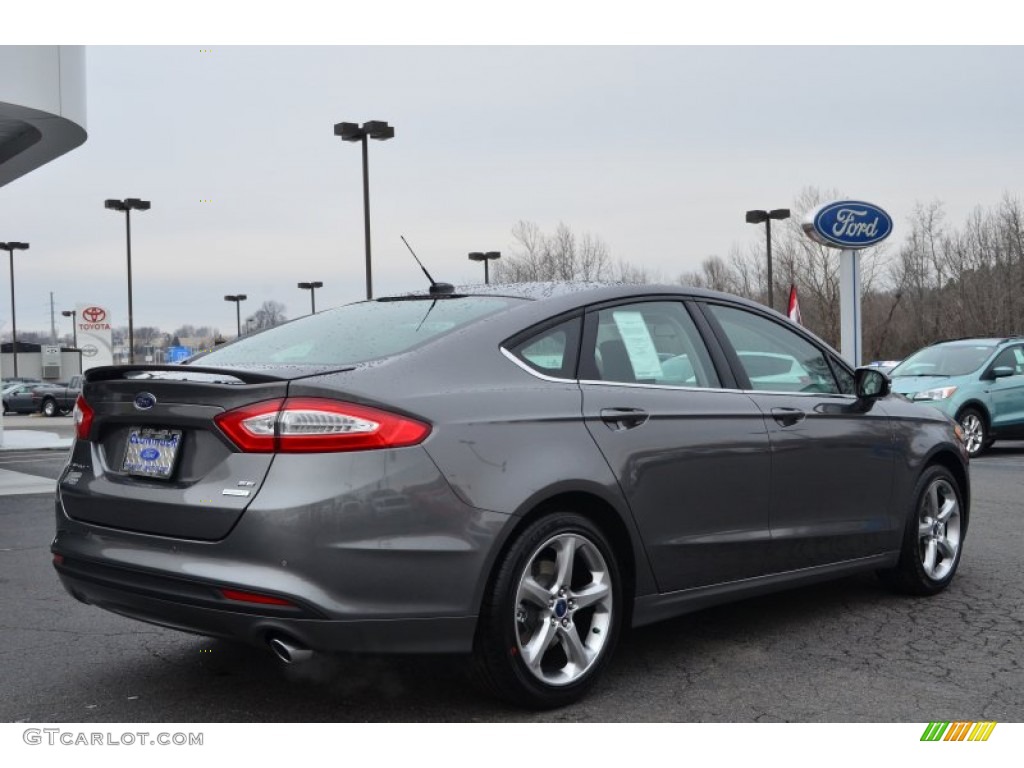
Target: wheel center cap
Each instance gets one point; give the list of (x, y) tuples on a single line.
[(561, 608)]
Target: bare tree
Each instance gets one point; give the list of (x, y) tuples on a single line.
[(269, 314), (561, 255)]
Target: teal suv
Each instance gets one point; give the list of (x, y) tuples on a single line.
[(978, 382)]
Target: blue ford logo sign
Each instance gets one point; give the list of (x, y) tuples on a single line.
[(149, 454), (848, 224), (144, 401)]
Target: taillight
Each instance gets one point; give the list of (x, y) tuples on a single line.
[(83, 418), (317, 425)]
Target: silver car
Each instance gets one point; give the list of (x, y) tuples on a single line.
[(516, 472)]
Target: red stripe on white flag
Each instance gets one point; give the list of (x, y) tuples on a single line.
[(794, 306)]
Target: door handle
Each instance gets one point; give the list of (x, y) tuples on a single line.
[(787, 417), (623, 418)]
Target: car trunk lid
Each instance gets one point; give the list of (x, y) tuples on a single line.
[(155, 462)]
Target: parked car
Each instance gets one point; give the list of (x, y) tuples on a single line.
[(978, 381), (59, 399), (22, 397), (883, 365), (519, 472)]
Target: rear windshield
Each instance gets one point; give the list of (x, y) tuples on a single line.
[(944, 360), (357, 332)]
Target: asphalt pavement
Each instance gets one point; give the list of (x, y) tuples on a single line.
[(843, 651)]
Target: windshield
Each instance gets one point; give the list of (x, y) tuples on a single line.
[(944, 360), (357, 332)]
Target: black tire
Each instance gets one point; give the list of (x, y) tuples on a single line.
[(49, 407), (514, 613), (917, 572), (975, 427)]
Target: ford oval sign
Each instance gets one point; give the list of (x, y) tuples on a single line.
[(848, 224), (144, 401)]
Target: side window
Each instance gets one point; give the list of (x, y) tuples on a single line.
[(1011, 357), (774, 358), (846, 383), (653, 342), (552, 351)]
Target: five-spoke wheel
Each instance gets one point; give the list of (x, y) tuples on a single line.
[(933, 538), (563, 609), (552, 614), (938, 529)]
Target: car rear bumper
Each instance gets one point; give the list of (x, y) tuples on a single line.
[(355, 560), (421, 635)]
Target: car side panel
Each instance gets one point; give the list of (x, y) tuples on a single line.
[(533, 431)]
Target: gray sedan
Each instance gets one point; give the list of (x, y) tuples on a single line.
[(516, 472)]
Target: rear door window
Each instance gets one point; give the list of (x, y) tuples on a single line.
[(653, 342)]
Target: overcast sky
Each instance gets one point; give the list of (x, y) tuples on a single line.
[(657, 150)]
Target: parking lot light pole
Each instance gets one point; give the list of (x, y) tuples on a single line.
[(311, 287), (485, 257), (128, 205), (238, 298), (374, 129), (11, 248), (756, 217), (74, 324)]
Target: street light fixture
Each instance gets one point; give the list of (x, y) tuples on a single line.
[(374, 129), (74, 324), (128, 205), (11, 248), (311, 287), (756, 217), (485, 258), (238, 298)]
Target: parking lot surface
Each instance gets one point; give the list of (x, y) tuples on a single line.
[(843, 651)]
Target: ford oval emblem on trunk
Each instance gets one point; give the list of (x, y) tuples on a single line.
[(847, 224), (144, 401)]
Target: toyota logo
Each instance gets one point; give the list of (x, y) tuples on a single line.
[(94, 314), (89, 350)]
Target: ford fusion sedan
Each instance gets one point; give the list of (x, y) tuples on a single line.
[(977, 381), (518, 473)]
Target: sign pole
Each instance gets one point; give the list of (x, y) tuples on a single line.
[(849, 306)]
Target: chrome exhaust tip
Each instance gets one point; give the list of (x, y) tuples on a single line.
[(288, 651)]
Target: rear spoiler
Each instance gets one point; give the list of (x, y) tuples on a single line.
[(209, 374)]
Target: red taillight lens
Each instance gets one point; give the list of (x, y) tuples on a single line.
[(83, 418), (317, 425)]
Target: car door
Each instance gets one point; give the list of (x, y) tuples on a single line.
[(832, 460), (691, 456), (1007, 392), (20, 400)]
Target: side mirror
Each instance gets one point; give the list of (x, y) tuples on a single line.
[(1000, 372), (871, 383)]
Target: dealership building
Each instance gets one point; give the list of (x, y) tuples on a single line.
[(42, 116)]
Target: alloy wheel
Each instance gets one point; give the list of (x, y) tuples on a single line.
[(974, 433), (938, 529), (563, 609)]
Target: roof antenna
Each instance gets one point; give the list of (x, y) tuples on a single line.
[(435, 287)]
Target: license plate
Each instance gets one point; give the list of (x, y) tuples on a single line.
[(151, 452)]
